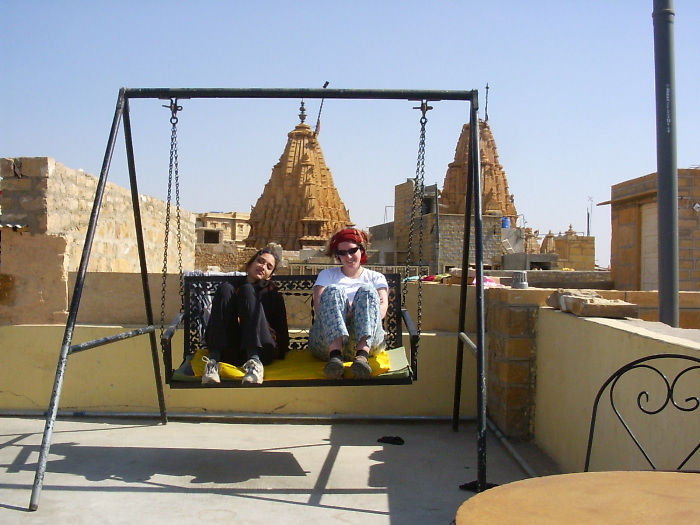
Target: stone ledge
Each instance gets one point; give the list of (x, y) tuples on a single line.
[(588, 303)]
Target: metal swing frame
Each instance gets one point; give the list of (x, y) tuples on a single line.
[(122, 113)]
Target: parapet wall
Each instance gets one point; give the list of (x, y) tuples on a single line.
[(574, 358), (55, 203), (513, 327)]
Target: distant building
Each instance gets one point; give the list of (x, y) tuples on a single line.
[(634, 222), (219, 227), (436, 236)]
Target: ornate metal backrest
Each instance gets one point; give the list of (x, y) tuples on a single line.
[(297, 290), (673, 386)]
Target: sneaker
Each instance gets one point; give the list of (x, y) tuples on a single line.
[(211, 371), (334, 368), (254, 372), (360, 368)]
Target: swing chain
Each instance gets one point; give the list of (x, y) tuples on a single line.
[(173, 172), (417, 210)]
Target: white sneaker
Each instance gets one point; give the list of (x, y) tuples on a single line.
[(211, 371), (254, 372)]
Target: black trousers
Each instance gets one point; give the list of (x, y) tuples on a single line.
[(238, 329)]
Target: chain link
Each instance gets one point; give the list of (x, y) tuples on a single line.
[(417, 210), (173, 172), (179, 233)]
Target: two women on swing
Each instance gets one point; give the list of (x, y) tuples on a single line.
[(248, 327)]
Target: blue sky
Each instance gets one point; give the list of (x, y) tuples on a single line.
[(571, 98)]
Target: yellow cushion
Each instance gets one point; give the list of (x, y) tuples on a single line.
[(299, 364)]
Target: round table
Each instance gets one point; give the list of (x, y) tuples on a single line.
[(631, 497)]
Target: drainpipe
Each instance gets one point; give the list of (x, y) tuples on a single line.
[(439, 268), (667, 171)]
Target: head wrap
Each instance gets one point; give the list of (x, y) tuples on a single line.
[(349, 235)]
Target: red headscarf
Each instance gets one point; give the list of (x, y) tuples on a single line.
[(349, 235)]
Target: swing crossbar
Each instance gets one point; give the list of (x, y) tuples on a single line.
[(297, 291), (300, 93)]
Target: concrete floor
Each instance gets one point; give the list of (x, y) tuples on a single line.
[(135, 471)]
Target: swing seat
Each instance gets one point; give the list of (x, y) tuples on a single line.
[(300, 367)]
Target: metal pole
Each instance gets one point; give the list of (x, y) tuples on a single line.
[(481, 357), (463, 291), (89, 345), (438, 266), (73, 312), (135, 202), (667, 172), (475, 178)]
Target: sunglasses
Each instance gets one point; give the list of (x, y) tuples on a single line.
[(351, 251)]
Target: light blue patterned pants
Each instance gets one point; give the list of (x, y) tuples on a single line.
[(332, 321)]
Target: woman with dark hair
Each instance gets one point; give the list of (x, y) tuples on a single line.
[(248, 322), (350, 302)]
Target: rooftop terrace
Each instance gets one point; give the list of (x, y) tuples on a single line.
[(255, 472)]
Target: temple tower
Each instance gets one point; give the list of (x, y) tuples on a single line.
[(494, 185), (300, 206)]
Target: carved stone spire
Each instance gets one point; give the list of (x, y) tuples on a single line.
[(494, 185), (300, 206)]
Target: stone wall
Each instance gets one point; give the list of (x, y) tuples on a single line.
[(226, 257), (382, 244), (689, 229), (451, 231), (55, 203), (403, 205), (511, 323)]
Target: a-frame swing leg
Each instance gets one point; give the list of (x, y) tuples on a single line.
[(142, 260), (52, 411), (73, 313), (474, 196)]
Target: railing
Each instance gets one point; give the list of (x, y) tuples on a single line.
[(315, 269)]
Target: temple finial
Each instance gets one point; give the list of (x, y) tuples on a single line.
[(486, 105), (302, 112)]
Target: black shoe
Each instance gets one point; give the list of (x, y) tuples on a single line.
[(334, 368)]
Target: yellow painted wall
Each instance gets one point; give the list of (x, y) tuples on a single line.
[(119, 378), (574, 358)]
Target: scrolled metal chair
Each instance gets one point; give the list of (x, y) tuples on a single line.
[(671, 373)]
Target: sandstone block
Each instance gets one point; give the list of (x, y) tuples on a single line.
[(599, 307), (555, 299)]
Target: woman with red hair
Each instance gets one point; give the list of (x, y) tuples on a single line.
[(350, 302)]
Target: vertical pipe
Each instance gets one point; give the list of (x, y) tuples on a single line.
[(142, 259), (73, 312), (479, 256), (439, 268), (667, 171)]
